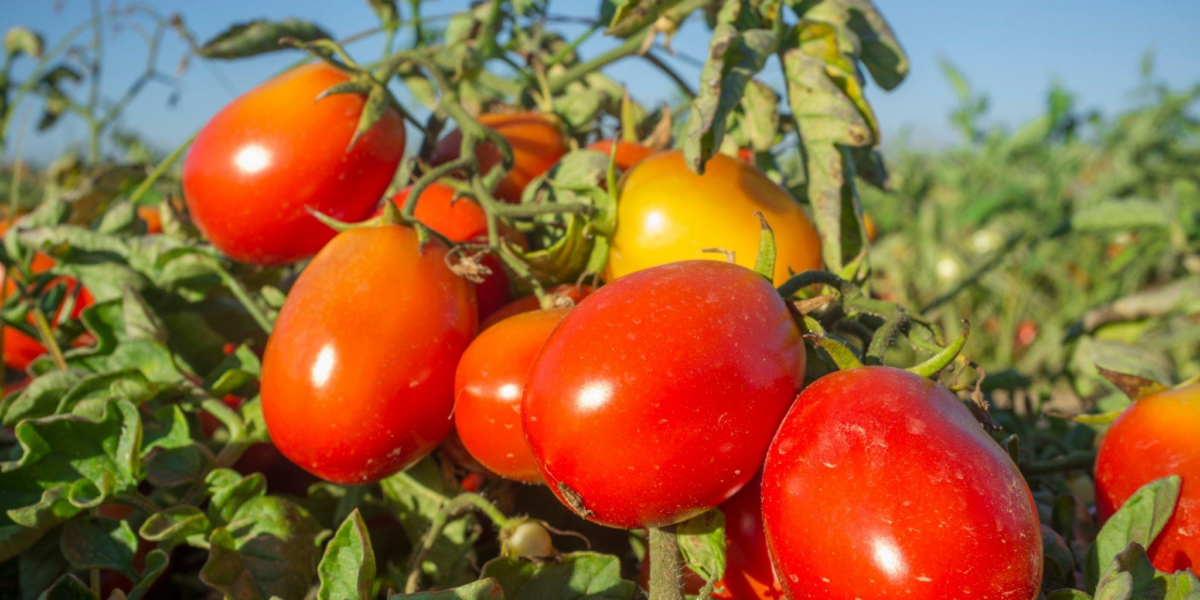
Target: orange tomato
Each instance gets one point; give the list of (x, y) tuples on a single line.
[(666, 213), (1158, 436), (272, 155), (628, 153), (536, 142), (153, 220), (358, 376)]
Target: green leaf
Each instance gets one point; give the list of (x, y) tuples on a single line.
[(389, 16), (40, 566), (348, 568), (573, 576), (40, 398), (238, 369), (627, 17), (173, 526), (140, 321), (1067, 595), (230, 491), (760, 116), (864, 29), (1139, 521), (1121, 215), (68, 588), (735, 55), (417, 495), (156, 564), (272, 551), (484, 589), (69, 463), (1130, 576), (20, 40), (259, 37), (702, 542), (98, 542)]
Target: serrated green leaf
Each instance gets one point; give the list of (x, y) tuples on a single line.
[(41, 397), (1139, 521), (1130, 576), (347, 569), (259, 37), (172, 526), (98, 542), (735, 55), (573, 576), (230, 491), (702, 542), (69, 463), (271, 552)]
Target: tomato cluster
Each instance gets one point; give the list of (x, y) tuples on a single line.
[(640, 403)]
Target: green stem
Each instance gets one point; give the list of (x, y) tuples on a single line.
[(628, 48), (452, 510), (160, 169), (666, 564), (242, 294), (94, 93), (1071, 462), (44, 332)]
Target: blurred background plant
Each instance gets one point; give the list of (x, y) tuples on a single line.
[(1071, 241)]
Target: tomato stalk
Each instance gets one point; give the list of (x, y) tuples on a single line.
[(452, 510), (666, 564)]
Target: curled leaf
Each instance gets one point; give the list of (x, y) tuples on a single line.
[(259, 37)]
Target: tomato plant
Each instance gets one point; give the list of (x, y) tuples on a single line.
[(257, 169), (951, 492), (536, 145), (668, 213), (627, 428), (317, 362), (488, 386), (315, 349), (1154, 438)]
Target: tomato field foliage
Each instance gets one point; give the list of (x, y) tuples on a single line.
[(466, 320)]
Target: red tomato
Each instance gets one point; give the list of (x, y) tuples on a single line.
[(488, 387), (1156, 437), (462, 220), (536, 142), (270, 156), (19, 348), (655, 399), (748, 572), (880, 484), (358, 376), (529, 303), (628, 153)]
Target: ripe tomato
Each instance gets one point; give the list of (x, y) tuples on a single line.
[(1156, 437), (869, 225), (19, 348), (462, 220), (270, 156), (748, 572), (358, 377), (576, 293), (488, 387), (880, 484), (666, 213), (536, 144), (655, 399), (149, 214), (628, 153)]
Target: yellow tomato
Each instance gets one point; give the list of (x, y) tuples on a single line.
[(666, 213)]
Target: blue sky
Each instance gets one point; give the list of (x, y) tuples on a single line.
[(1011, 50)]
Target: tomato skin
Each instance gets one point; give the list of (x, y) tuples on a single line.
[(268, 157), (1156, 437), (628, 153), (666, 213), (748, 571), (901, 483), (536, 142), (358, 376), (639, 404), (150, 216), (488, 386), (529, 303)]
